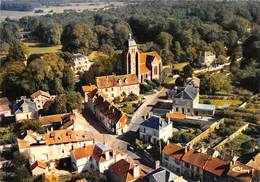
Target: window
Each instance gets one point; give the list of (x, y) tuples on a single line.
[(155, 70), (112, 88), (188, 111), (106, 89), (177, 109)]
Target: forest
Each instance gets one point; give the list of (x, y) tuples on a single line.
[(178, 31)]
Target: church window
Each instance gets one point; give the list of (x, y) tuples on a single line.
[(129, 63)]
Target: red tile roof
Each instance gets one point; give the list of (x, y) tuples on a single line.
[(40, 164), (67, 136), (175, 116), (216, 166), (53, 118), (123, 171), (83, 152), (116, 81), (174, 151), (88, 88), (195, 158), (242, 172)]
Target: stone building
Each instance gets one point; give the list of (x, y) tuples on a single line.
[(194, 165), (186, 101), (53, 145), (40, 98), (206, 58), (124, 171), (145, 65), (155, 128), (25, 109), (96, 157), (117, 85), (80, 63), (109, 115)]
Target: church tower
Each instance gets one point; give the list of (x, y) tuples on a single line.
[(132, 57)]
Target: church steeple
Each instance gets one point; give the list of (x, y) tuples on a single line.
[(132, 57)]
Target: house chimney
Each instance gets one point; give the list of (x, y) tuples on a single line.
[(157, 164), (107, 156), (136, 171), (186, 148)]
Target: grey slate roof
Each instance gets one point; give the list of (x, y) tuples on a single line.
[(155, 122), (18, 107), (161, 175), (187, 93)]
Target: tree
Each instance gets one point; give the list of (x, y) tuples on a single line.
[(49, 33), (17, 52), (164, 39), (78, 37), (187, 71), (212, 83)]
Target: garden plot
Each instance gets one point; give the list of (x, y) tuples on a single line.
[(224, 130), (243, 145)]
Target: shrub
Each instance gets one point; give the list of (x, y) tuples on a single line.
[(145, 88), (157, 82), (152, 84), (206, 102)]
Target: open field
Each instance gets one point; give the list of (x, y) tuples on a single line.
[(222, 102), (38, 48), (79, 7), (179, 66)]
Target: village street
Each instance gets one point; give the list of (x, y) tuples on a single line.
[(100, 134)]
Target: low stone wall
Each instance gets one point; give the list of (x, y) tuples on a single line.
[(231, 137), (206, 133)]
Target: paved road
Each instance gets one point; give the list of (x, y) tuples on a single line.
[(144, 109), (120, 142), (103, 136)]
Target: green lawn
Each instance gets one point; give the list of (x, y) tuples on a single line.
[(39, 48)]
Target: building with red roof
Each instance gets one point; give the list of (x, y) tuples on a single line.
[(96, 157), (194, 165), (113, 119), (124, 171)]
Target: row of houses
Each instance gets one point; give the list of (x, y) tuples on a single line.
[(200, 165)]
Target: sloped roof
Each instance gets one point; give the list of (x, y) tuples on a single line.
[(40, 92), (216, 166), (174, 151), (242, 172), (255, 163), (155, 122), (18, 107), (83, 152), (40, 164), (188, 93), (88, 88), (175, 116), (67, 136), (50, 119), (123, 171), (116, 81), (195, 158), (162, 175)]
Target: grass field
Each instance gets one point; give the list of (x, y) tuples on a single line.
[(38, 48), (221, 102), (179, 66)]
